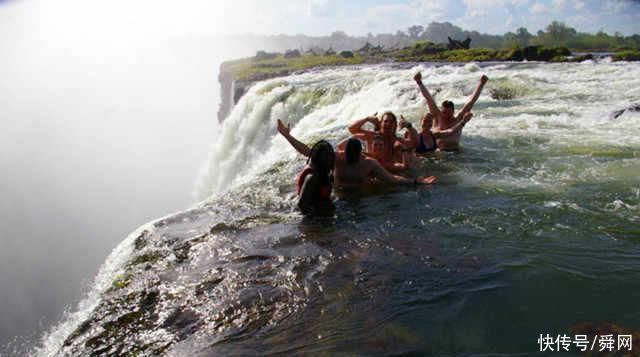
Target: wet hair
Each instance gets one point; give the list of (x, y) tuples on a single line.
[(322, 158), (353, 151), (447, 104), (391, 115)]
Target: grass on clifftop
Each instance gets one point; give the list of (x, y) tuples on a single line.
[(250, 69), (274, 65)]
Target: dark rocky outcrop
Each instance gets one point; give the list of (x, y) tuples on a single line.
[(346, 54), (292, 54), (458, 45)]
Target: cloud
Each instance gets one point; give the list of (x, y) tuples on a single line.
[(387, 17), (481, 8), (321, 8), (614, 6), (558, 5), (510, 21), (578, 5), (538, 8)]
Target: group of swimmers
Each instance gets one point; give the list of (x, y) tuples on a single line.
[(386, 154)]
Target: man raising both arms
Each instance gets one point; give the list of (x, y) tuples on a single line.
[(447, 126)]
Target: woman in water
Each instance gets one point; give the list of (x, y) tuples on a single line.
[(394, 147), (426, 139), (315, 182), (350, 169)]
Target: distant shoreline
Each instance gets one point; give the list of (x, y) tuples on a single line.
[(237, 76)]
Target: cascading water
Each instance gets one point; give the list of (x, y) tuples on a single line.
[(532, 229)]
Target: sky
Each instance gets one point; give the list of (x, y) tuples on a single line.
[(145, 18)]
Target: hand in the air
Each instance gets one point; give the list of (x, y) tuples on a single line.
[(283, 129), (403, 122)]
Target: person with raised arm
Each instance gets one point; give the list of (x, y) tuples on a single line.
[(394, 147), (350, 168), (444, 118)]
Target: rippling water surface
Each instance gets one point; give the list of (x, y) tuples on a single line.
[(533, 229)]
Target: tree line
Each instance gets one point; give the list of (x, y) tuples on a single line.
[(555, 34)]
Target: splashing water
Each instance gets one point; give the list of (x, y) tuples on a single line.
[(532, 229)]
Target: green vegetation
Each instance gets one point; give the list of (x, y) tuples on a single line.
[(121, 281), (556, 34), (147, 258), (252, 69), (264, 66), (628, 55), (419, 45)]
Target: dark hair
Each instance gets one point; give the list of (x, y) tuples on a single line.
[(322, 158), (447, 104), (353, 151), (391, 115)]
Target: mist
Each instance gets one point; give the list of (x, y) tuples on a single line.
[(103, 131)]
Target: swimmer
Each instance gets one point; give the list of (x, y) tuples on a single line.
[(351, 168), (394, 147), (315, 182), (444, 118), (426, 139)]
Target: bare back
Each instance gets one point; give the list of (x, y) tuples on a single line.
[(359, 173)]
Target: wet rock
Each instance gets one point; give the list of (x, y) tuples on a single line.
[(182, 322), (631, 108), (142, 240), (208, 285)]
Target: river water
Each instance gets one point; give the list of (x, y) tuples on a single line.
[(532, 229)]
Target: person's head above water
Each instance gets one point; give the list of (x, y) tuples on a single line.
[(447, 109), (427, 122), (389, 123), (377, 146), (322, 157), (352, 151)]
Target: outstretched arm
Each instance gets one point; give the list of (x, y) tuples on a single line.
[(300, 147), (380, 173), (458, 126), (433, 108), (476, 94), (356, 127)]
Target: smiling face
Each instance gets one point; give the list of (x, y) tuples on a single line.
[(447, 110), (389, 123)]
